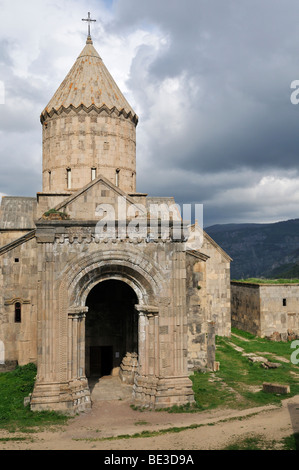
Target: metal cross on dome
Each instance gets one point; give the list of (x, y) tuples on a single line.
[(89, 20)]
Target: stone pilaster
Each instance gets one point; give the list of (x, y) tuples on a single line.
[(152, 389), (71, 395)]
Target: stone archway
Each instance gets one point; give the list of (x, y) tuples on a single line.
[(111, 330), (144, 291), (63, 385)]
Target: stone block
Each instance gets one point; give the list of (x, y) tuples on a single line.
[(276, 388), (257, 359), (271, 365)]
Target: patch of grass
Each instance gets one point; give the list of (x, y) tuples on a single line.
[(14, 439), (258, 442), (161, 432), (14, 416), (252, 443), (254, 280), (210, 393), (291, 442), (238, 383), (243, 334), (256, 344), (242, 375)]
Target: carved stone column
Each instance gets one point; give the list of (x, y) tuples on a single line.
[(151, 388), (71, 395), (76, 358), (146, 379)]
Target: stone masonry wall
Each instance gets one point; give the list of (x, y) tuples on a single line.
[(196, 308), (82, 141), (18, 281), (279, 309), (245, 307), (218, 287), (266, 310)]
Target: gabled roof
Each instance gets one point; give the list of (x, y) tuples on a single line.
[(19, 241), (74, 203), (89, 84), (17, 213)]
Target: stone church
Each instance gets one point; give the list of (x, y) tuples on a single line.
[(81, 295)]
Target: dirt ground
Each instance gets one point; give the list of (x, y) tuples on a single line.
[(115, 417)]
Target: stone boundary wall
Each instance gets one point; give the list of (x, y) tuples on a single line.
[(266, 310), (279, 310)]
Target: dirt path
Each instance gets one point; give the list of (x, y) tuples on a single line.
[(114, 418)]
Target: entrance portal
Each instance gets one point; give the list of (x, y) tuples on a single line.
[(111, 327)]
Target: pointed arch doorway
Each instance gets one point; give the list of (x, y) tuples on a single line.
[(111, 330)]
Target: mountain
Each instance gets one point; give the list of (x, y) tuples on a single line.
[(260, 250)]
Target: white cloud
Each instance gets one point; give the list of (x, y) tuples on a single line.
[(269, 199)]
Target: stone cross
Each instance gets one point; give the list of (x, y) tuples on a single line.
[(89, 20)]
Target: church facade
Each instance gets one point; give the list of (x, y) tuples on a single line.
[(97, 278)]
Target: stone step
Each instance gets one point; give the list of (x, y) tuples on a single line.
[(109, 388)]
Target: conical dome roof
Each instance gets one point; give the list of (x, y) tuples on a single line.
[(89, 84)]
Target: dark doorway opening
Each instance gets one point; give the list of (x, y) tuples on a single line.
[(111, 328), (101, 360)]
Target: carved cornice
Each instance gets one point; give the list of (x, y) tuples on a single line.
[(103, 109), (73, 311), (148, 310)]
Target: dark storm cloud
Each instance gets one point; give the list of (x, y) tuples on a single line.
[(211, 87), (235, 61), (242, 57)]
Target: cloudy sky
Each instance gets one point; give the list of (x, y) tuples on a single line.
[(209, 79)]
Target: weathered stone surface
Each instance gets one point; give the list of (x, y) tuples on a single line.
[(128, 368), (257, 359), (276, 388), (271, 365)]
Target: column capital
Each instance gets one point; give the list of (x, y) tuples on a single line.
[(78, 312), (148, 310)]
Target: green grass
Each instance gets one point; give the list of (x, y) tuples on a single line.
[(254, 280), (291, 442), (14, 416), (238, 383), (256, 344), (251, 443), (258, 442), (246, 377)]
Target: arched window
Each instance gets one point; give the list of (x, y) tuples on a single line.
[(18, 312), (69, 178), (117, 177)]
